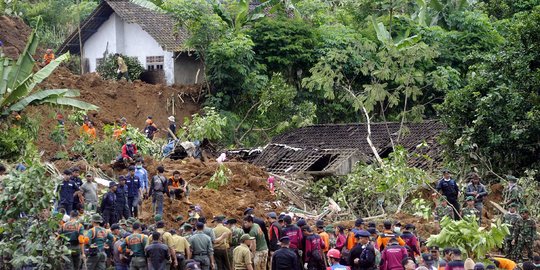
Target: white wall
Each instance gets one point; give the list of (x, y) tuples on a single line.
[(128, 39)]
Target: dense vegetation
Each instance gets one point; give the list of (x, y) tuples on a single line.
[(289, 63)]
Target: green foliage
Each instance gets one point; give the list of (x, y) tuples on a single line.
[(494, 120), (421, 208), (220, 177), (13, 142), (320, 190), (77, 117), (384, 187), (466, 235), (58, 135), (19, 81), (109, 67), (102, 149), (209, 126), (531, 191), (26, 224), (145, 146)]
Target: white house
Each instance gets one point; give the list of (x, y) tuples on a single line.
[(119, 26)]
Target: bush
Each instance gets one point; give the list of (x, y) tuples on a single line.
[(107, 69)]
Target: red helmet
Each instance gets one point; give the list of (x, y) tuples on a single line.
[(334, 253)]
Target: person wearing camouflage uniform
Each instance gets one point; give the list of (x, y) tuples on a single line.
[(98, 239), (510, 218), (470, 210), (513, 193), (524, 236), (478, 191), (442, 210)]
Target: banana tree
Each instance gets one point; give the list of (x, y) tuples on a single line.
[(18, 81)]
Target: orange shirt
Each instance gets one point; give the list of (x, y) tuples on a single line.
[(326, 239), (505, 263), (382, 240), (47, 58), (91, 131)]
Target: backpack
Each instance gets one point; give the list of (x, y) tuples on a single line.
[(161, 184)]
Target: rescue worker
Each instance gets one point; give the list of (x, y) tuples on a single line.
[(121, 202), (236, 233), (392, 255), (142, 174), (48, 57), (449, 188), (442, 210), (242, 254), (98, 240), (470, 210), (479, 192), (158, 254), (325, 237), (134, 191), (134, 246), (108, 204), (172, 128), (129, 151), (524, 236), (89, 192), (456, 263), (67, 190), (74, 232), (202, 248), (333, 258), (151, 129), (411, 241), (158, 186), (512, 193), (510, 218), (166, 238), (121, 261), (178, 187), (503, 263), (249, 212), (386, 235), (362, 256), (313, 250), (351, 237), (221, 244), (285, 258), (274, 233), (122, 70), (294, 233), (181, 249), (261, 248)]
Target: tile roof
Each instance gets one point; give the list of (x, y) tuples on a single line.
[(300, 150), (158, 25)]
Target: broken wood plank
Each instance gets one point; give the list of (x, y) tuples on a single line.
[(499, 207), (288, 181)]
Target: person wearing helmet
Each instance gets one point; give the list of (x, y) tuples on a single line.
[(333, 259)]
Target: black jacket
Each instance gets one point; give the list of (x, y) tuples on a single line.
[(285, 259), (366, 255)]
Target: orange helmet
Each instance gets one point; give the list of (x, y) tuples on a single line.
[(334, 253), (149, 121)]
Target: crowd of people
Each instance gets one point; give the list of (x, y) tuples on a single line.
[(114, 237)]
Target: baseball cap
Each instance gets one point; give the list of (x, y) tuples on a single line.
[(285, 239), (362, 233), (199, 225), (112, 184), (428, 258), (271, 215), (218, 219), (301, 222), (248, 211), (131, 168), (246, 236), (358, 222)]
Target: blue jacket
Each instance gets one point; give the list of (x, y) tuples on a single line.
[(134, 184), (142, 173), (121, 197), (67, 189), (448, 188)]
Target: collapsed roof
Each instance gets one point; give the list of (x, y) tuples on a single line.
[(335, 148)]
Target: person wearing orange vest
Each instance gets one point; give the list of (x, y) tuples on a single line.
[(387, 234), (178, 186), (48, 57), (503, 263), (325, 239), (351, 237)]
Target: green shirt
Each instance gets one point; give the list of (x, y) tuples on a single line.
[(99, 236), (136, 243), (71, 230), (201, 244), (260, 244)]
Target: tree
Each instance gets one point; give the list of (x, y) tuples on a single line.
[(19, 80), (27, 227), (494, 121)]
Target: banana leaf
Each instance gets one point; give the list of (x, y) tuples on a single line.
[(23, 68), (5, 69), (28, 84), (147, 4), (36, 97), (65, 101)]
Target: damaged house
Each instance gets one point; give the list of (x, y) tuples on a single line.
[(334, 149)]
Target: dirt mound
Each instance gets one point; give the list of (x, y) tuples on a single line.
[(134, 101), (246, 188), (13, 33)]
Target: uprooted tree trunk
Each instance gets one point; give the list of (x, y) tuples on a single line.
[(368, 138)]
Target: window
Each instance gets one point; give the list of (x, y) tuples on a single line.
[(154, 62), (99, 61)]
